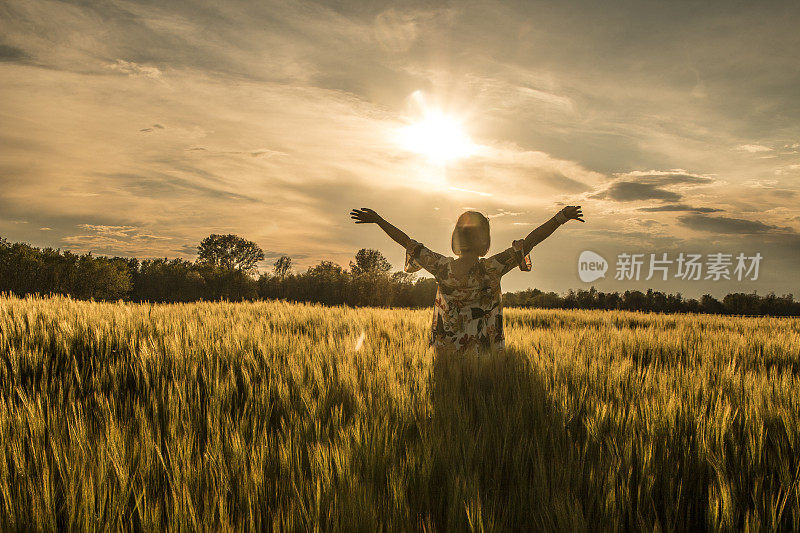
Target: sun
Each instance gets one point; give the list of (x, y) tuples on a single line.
[(437, 137)]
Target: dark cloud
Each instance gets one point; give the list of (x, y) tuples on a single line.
[(680, 207), (728, 225), (12, 53), (146, 129), (652, 186), (627, 191)]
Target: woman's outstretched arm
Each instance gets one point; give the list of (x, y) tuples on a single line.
[(366, 215), (545, 230)]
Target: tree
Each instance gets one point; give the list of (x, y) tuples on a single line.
[(164, 280), (283, 266), (326, 283), (370, 261), (227, 283), (709, 304), (229, 252), (326, 269), (102, 278)]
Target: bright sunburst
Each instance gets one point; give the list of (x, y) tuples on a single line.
[(437, 137)]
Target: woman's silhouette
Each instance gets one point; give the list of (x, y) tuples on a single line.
[(468, 312)]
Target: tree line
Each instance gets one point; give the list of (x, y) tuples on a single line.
[(657, 301), (226, 268)]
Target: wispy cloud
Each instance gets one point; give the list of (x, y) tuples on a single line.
[(134, 69), (754, 148), (104, 239), (667, 177), (461, 189)]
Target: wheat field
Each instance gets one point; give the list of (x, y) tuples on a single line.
[(271, 415)]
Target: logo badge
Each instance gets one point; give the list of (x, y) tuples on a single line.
[(591, 266)]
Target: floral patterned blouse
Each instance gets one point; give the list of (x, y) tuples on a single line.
[(467, 312)]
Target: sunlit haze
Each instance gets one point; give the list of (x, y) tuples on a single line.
[(437, 137)]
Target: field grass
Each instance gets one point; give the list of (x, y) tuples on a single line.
[(272, 415)]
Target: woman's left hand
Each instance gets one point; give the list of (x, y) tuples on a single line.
[(573, 212)]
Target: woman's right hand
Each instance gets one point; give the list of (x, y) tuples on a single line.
[(365, 215)]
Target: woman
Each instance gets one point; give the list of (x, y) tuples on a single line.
[(467, 312)]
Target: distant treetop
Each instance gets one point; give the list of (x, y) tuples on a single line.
[(229, 251)]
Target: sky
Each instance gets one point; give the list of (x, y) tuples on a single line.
[(139, 128)]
